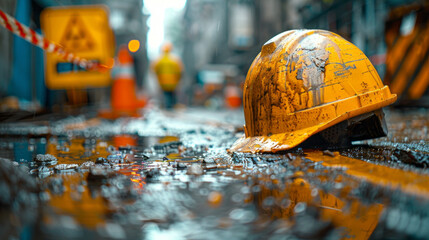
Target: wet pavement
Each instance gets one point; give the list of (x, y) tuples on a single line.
[(168, 175)]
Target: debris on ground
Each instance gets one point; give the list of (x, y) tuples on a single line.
[(179, 182)]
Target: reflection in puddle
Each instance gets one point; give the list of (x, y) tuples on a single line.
[(149, 188)]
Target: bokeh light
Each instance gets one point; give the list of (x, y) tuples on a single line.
[(133, 45)]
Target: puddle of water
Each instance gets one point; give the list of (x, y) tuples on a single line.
[(125, 186)]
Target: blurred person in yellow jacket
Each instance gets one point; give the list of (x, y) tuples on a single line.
[(168, 69)]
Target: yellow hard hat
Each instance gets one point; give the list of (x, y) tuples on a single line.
[(167, 47), (304, 82)]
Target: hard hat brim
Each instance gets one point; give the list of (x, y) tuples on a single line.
[(342, 109)]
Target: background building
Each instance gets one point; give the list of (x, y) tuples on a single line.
[(216, 39)]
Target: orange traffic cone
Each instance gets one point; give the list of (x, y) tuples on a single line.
[(123, 94), (232, 96), (124, 140)]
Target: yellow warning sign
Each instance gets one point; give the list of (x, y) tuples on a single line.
[(83, 31), (76, 37)]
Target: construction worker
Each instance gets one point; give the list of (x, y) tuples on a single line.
[(168, 69), (311, 87)]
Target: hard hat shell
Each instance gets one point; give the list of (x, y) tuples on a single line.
[(302, 82)]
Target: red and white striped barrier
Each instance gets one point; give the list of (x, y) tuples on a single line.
[(34, 38)]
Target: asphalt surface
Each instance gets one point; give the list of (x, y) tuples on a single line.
[(169, 175)]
